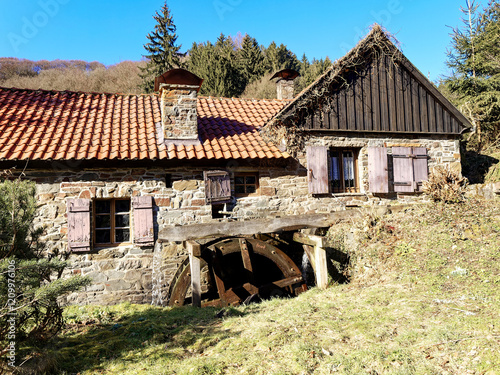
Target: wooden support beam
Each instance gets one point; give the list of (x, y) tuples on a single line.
[(318, 256), (321, 271), (194, 249), (255, 226)]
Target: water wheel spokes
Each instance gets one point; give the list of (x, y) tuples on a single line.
[(238, 270)]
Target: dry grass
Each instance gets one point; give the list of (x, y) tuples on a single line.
[(423, 299)]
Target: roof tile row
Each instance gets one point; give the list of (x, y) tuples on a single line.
[(50, 125)]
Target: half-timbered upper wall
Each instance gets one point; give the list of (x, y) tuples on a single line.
[(385, 97)]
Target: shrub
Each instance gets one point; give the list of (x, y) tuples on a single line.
[(445, 185)]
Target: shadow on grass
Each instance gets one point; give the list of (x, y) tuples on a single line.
[(476, 166), (132, 334)]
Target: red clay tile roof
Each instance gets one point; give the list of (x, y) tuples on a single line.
[(62, 125)]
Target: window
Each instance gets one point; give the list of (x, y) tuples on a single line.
[(111, 221), (343, 170), (245, 184)]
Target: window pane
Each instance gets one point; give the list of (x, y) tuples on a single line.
[(122, 235), (103, 236), (348, 168), (335, 169), (239, 189), (250, 189), (239, 180), (102, 221), (122, 206), (122, 220), (103, 207), (250, 180)]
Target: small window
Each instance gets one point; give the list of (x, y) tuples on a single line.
[(245, 184), (111, 221), (343, 170)]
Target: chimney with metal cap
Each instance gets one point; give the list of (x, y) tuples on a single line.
[(178, 91), (284, 84)]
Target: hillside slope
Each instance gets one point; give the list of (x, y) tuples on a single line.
[(423, 299)]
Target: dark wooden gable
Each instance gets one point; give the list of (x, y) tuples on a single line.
[(376, 91), (385, 97)]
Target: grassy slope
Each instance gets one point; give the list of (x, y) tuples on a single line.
[(424, 299)]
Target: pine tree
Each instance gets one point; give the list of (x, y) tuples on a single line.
[(30, 282), (251, 59), (474, 58), (163, 53)]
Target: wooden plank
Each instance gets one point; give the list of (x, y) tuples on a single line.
[(375, 95), (378, 175), (384, 98), (402, 169), (195, 265), (321, 271), (420, 169), (317, 169), (446, 121), (367, 102), (439, 118), (342, 110), (193, 247), (407, 101), (431, 109), (351, 106), (358, 102), (79, 224), (334, 112), (143, 220), (239, 228), (415, 104), (424, 118), (400, 105), (391, 95), (247, 261), (309, 239)]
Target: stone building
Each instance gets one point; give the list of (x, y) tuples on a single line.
[(139, 188)]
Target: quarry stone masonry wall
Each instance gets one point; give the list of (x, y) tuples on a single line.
[(124, 273)]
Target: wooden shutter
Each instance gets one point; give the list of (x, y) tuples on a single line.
[(79, 224), (420, 170), (378, 175), (217, 187), (403, 169), (143, 221), (410, 168), (317, 169)]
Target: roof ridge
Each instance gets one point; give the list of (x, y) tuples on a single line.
[(73, 92)]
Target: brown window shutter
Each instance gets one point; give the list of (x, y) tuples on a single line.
[(410, 168), (79, 224), (143, 221), (317, 169), (420, 169), (217, 187), (378, 175), (403, 169)]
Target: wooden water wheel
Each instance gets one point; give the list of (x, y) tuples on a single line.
[(238, 270)]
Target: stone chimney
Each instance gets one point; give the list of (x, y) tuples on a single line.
[(284, 84), (178, 91)]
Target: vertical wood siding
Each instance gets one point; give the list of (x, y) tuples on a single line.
[(386, 97)]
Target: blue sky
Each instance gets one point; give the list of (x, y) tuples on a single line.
[(111, 31)]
